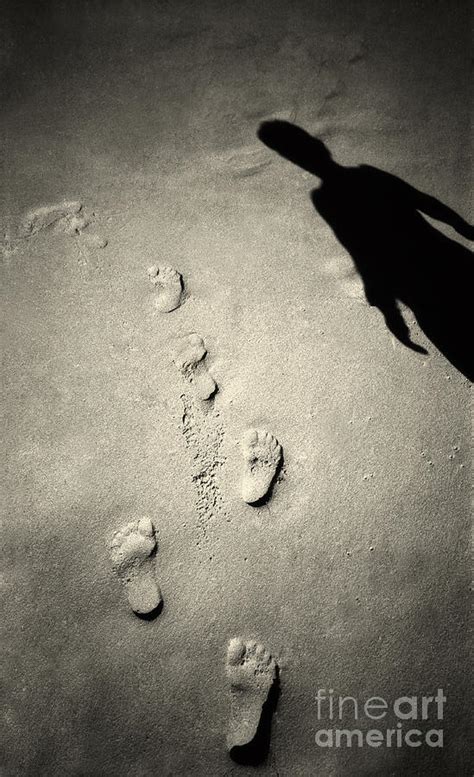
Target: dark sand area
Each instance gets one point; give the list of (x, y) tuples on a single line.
[(355, 573)]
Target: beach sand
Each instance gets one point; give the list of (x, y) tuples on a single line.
[(354, 573)]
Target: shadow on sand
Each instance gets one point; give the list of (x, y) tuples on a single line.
[(399, 255)]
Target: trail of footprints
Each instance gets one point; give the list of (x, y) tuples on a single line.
[(251, 671)]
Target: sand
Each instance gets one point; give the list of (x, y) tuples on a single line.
[(354, 575)]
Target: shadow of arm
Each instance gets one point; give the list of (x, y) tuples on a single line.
[(396, 325), (394, 320), (437, 210)]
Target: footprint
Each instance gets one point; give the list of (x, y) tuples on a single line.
[(169, 283), (133, 549), (73, 224), (251, 671), (188, 355), (41, 218), (262, 454)]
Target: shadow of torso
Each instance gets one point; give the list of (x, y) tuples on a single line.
[(401, 257)]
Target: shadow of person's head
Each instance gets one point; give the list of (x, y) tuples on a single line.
[(297, 145)]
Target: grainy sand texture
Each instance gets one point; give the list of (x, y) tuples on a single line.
[(236, 288)]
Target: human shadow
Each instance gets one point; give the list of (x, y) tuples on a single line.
[(399, 255)]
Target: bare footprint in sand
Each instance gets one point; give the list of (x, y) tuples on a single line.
[(188, 355), (262, 454), (133, 549), (169, 283), (251, 671), (47, 215)]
